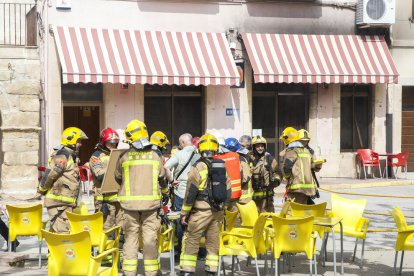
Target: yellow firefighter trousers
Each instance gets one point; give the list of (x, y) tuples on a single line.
[(264, 205), (147, 225), (58, 220), (201, 221)]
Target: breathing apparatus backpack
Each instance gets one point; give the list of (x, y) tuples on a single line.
[(217, 184), (232, 162)]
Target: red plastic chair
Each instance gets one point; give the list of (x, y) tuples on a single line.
[(85, 177), (368, 158), (402, 160)]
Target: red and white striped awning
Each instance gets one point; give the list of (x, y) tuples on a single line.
[(129, 56), (320, 58)]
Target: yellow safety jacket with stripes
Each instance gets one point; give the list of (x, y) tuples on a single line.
[(297, 167), (98, 164), (61, 180), (195, 195), (141, 176)]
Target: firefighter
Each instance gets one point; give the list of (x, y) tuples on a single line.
[(98, 163), (141, 176), (246, 141), (203, 207), (296, 166), (159, 143), (233, 145), (265, 175), (60, 182)]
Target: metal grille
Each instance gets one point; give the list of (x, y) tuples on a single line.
[(375, 9), (18, 24)]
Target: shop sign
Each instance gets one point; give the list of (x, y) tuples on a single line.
[(63, 4), (232, 111)]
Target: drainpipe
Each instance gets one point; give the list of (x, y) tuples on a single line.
[(388, 123)]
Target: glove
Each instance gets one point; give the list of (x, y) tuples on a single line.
[(165, 199)]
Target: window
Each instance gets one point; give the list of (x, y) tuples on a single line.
[(355, 117)]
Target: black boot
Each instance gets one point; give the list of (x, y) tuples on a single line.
[(209, 273), (185, 273)]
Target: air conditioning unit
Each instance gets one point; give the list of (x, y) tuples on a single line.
[(375, 12)]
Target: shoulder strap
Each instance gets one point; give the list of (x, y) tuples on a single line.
[(185, 166)]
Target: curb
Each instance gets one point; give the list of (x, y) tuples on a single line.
[(397, 182)]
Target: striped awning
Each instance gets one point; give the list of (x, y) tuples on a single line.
[(153, 57), (320, 58)]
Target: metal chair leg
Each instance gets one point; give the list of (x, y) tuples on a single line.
[(316, 265), (276, 267), (395, 263), (355, 249), (365, 172), (257, 267), (232, 264), (310, 267), (40, 254), (362, 254), (219, 267), (402, 259)]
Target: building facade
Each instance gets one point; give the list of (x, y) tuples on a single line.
[(341, 115), (403, 94), (20, 97)]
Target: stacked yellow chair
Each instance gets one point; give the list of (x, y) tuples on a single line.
[(247, 243), (71, 254), (404, 237), (294, 235), (93, 223), (25, 221), (354, 225)]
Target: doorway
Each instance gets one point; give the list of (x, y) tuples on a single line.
[(174, 110), (407, 131), (86, 118), (277, 106)]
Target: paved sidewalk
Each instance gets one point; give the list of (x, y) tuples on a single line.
[(379, 254)]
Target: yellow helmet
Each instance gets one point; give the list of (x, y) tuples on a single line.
[(304, 135), (71, 135), (208, 142), (289, 135), (135, 131), (259, 140), (159, 139)]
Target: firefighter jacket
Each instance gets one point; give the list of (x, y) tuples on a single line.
[(98, 164), (61, 180), (265, 175), (196, 198), (296, 167), (247, 190), (141, 175)]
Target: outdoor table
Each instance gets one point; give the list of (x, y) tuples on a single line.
[(387, 156), (331, 222), (173, 217)]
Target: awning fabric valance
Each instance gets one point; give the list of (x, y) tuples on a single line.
[(319, 58), (153, 57)]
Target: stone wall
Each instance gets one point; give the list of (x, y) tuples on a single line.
[(19, 119)]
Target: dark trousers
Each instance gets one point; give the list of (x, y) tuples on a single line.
[(4, 232)]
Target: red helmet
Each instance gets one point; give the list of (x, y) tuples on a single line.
[(108, 135), (195, 141)]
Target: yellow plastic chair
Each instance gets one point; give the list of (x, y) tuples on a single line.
[(93, 223), (82, 209), (404, 236), (294, 235), (248, 214), (165, 242), (247, 244), (229, 220), (70, 254), (25, 221), (316, 210), (354, 225)]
